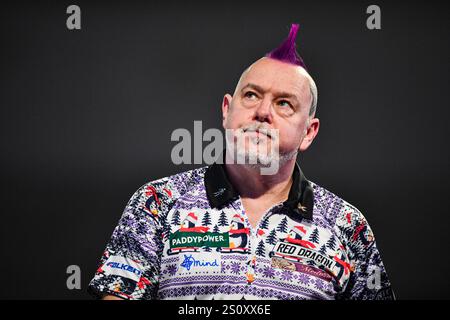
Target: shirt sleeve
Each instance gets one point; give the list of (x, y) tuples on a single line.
[(368, 279), (129, 266)]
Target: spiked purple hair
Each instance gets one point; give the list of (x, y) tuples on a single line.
[(287, 52)]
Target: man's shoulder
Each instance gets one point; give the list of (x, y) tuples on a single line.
[(334, 208), (170, 188), (350, 225)]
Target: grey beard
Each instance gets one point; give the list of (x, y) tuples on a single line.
[(263, 161)]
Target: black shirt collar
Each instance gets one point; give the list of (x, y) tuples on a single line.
[(220, 191)]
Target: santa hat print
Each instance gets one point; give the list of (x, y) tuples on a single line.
[(299, 231), (238, 218), (191, 217)]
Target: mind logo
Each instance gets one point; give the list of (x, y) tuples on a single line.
[(190, 262)]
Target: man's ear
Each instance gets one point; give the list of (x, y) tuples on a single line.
[(226, 103), (311, 132)]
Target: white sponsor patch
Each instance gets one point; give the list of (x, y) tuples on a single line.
[(120, 266), (292, 250)]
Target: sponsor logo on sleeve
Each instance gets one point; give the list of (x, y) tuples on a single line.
[(121, 266), (385, 294)]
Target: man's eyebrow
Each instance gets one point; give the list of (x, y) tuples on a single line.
[(253, 86), (280, 94)]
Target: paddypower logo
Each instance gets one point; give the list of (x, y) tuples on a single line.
[(194, 239)]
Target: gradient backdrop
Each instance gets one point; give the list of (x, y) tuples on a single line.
[(86, 119)]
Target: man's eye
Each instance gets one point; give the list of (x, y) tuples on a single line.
[(249, 94), (284, 103)]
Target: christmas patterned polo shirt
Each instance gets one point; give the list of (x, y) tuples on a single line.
[(187, 236)]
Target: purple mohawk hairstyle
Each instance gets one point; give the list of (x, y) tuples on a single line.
[(287, 52)]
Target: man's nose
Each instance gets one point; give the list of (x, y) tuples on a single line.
[(263, 112)]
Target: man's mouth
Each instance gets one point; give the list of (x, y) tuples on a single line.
[(260, 131)]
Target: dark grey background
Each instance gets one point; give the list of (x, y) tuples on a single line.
[(86, 119)]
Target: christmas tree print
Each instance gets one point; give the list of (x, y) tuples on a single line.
[(272, 237), (331, 243), (314, 237), (261, 250), (282, 227), (206, 221), (223, 219), (323, 250), (175, 219), (264, 223), (166, 232)]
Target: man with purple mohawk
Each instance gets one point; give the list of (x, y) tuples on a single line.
[(269, 119)]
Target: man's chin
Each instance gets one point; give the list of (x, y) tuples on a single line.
[(252, 158)]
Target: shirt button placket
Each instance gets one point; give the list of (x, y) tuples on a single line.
[(251, 262)]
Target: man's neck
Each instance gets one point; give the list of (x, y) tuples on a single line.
[(251, 184)]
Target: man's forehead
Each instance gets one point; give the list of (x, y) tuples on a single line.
[(276, 75)]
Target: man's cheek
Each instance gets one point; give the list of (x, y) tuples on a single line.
[(289, 140)]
